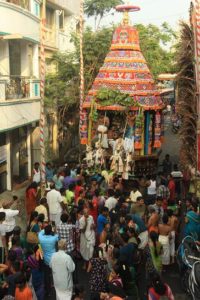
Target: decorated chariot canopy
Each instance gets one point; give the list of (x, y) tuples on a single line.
[(125, 70)]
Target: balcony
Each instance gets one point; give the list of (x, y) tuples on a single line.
[(16, 18), (19, 102), (19, 87), (72, 6), (50, 37)]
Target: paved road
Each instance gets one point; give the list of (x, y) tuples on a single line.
[(171, 144), (171, 277)]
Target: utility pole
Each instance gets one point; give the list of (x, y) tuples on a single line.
[(42, 88)]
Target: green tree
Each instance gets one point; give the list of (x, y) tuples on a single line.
[(62, 88), (156, 45), (64, 85), (99, 8)]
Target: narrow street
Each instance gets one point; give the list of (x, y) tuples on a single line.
[(171, 143), (171, 146)]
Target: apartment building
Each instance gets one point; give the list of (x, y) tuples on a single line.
[(20, 78), (62, 18)]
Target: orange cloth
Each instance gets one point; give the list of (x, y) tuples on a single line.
[(153, 228), (25, 294), (172, 188), (31, 202)]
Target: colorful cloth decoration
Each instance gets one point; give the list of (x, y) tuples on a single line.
[(83, 128), (150, 135), (125, 69), (157, 141), (162, 128), (139, 130)]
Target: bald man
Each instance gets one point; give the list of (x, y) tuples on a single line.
[(62, 267)]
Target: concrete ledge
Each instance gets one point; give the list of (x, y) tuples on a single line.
[(18, 101)]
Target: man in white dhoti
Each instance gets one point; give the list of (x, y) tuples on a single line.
[(164, 239), (173, 222), (62, 268), (87, 240)]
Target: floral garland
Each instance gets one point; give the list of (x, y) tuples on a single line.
[(109, 97)]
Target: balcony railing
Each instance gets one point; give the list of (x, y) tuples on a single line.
[(22, 3), (18, 87)]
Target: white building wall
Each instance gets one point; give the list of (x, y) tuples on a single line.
[(73, 6), (65, 36), (24, 26), (71, 17)]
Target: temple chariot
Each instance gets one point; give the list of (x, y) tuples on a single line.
[(122, 122)]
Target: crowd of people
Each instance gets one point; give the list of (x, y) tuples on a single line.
[(122, 234)]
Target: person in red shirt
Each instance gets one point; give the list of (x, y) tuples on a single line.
[(159, 289), (31, 199), (171, 187), (77, 190), (92, 204)]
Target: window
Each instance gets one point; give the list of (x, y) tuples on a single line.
[(49, 17), (61, 19), (37, 9), (15, 57)]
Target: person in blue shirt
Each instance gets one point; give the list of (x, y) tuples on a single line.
[(127, 251), (192, 226), (102, 220), (139, 221), (140, 225), (140, 228), (49, 172), (48, 241)]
